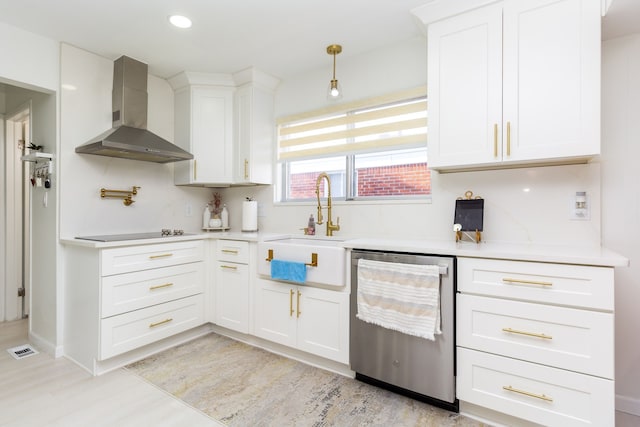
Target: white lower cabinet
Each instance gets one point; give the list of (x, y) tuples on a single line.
[(119, 299), (537, 393), (526, 348), (232, 285), (310, 319)]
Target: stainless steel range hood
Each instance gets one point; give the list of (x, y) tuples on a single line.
[(129, 137)]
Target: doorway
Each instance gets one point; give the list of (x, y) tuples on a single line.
[(17, 218)]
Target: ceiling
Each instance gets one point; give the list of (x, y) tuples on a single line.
[(280, 37)]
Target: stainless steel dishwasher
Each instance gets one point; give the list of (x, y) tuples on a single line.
[(417, 367)]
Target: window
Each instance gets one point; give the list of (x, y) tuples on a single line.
[(370, 149)]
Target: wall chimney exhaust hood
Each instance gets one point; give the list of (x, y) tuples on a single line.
[(129, 137)]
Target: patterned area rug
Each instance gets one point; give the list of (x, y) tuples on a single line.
[(241, 385)]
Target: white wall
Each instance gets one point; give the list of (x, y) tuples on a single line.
[(540, 215), (621, 203), (85, 113), (28, 60)]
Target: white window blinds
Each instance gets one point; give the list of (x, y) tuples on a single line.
[(394, 121)]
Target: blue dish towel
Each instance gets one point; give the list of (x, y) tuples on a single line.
[(288, 270)]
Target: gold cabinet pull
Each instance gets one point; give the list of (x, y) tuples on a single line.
[(526, 282), (162, 322), (164, 285), (246, 169), (160, 256), (298, 306), (495, 140), (229, 267), (290, 302), (508, 138), (229, 251), (530, 334), (195, 170), (526, 393)]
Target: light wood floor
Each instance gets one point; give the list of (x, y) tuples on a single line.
[(42, 391)]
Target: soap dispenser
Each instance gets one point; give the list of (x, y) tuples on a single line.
[(311, 227)]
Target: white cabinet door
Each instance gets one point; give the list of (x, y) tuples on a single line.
[(232, 296), (323, 323), (274, 312), (254, 133), (204, 127), (465, 89), (504, 92), (551, 79)]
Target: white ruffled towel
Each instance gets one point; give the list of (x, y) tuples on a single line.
[(402, 297)]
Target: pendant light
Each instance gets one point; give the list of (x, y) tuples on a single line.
[(334, 91)]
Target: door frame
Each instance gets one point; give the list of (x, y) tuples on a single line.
[(17, 215)]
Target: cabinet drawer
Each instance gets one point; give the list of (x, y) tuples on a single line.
[(578, 340), (232, 251), (537, 393), (144, 257), (129, 331), (131, 291), (560, 284)]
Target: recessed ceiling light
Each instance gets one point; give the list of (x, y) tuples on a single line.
[(180, 21)]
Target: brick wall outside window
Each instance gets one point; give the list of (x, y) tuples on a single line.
[(412, 179)]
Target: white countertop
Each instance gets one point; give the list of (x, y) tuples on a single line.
[(565, 254), (512, 251)]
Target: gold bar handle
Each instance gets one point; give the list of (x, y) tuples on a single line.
[(526, 393), (246, 168), (229, 251), (298, 312), (290, 302), (508, 138), (160, 256), (526, 282), (162, 322), (530, 334), (195, 170), (495, 140), (229, 267), (164, 285), (313, 263)]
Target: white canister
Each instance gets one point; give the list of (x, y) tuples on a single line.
[(224, 216), (250, 215)]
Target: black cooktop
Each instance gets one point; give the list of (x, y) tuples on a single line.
[(131, 236)]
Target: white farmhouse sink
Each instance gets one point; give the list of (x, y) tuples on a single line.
[(330, 256)]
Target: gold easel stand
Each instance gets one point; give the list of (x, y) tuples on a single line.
[(460, 235)]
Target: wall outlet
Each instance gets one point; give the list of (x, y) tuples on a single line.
[(579, 206), (188, 209)]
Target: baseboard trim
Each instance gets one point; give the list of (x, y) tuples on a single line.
[(628, 405), (44, 345)]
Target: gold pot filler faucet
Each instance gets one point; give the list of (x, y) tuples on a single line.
[(331, 227)]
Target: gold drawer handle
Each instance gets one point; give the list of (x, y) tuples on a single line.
[(290, 302), (229, 267), (164, 285), (160, 256), (298, 305), (526, 393), (508, 139), (530, 334), (526, 282), (495, 140), (229, 251), (162, 322)]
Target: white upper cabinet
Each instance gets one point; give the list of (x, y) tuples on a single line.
[(515, 83), (254, 127), (204, 127), (226, 122)]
